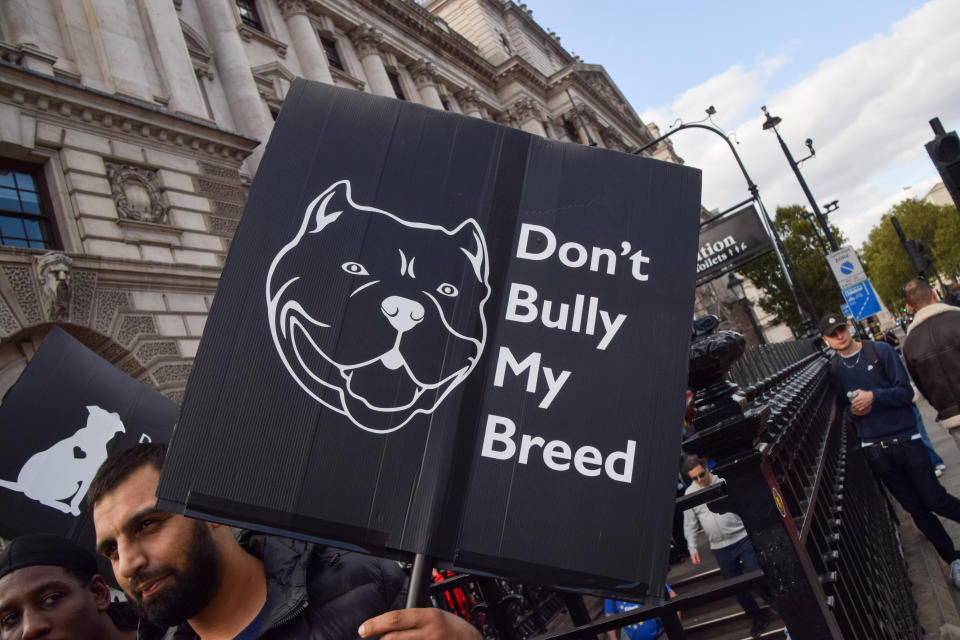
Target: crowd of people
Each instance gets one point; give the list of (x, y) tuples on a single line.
[(872, 383), (190, 579)]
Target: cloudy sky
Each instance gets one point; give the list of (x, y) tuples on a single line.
[(861, 80)]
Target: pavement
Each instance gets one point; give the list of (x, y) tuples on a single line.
[(938, 601)]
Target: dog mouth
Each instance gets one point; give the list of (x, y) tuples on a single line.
[(383, 383)]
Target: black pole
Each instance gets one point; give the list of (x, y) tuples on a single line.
[(786, 265), (903, 243), (419, 581), (762, 339), (906, 247), (771, 123), (816, 232)]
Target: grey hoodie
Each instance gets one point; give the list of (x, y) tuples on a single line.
[(722, 529)]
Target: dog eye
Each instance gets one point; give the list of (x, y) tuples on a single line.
[(355, 269), (447, 289)]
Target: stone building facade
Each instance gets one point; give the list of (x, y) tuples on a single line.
[(131, 129)]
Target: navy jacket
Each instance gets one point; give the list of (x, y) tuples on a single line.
[(313, 592), (892, 413)]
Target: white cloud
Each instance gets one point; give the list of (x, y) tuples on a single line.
[(867, 110)]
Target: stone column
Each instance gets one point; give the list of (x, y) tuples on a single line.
[(469, 100), (313, 59), (172, 58), (250, 112), (366, 40), (424, 75), (19, 26), (584, 131), (590, 122), (527, 112), (118, 48)]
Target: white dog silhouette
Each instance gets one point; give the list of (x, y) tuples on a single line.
[(64, 471)]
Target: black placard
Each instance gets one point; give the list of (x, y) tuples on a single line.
[(402, 279), (68, 410), (730, 242)]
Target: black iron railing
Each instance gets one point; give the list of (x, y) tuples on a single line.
[(822, 527), (500, 609)]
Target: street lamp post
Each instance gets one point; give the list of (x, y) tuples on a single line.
[(782, 257), (816, 232), (735, 285), (771, 123)]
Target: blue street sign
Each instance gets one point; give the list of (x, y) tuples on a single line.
[(862, 300), (845, 310), (846, 268)]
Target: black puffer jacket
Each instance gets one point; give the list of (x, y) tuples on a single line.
[(313, 592), (932, 353)]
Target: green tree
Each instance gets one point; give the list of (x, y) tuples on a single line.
[(946, 248), (805, 246), (887, 263)]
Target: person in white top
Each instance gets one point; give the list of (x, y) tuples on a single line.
[(728, 540)]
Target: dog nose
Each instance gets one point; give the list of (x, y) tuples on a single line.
[(403, 313)]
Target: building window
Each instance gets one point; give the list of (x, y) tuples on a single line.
[(395, 82), (249, 15), (333, 58), (22, 220)]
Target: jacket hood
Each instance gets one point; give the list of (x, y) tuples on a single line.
[(928, 312)]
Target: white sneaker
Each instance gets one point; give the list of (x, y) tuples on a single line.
[(937, 471), (940, 467), (955, 573)]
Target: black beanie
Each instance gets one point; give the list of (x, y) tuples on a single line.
[(45, 549)]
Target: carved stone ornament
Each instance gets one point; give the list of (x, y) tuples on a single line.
[(366, 40), (424, 73), (469, 99), (612, 139), (291, 7), (136, 192), (53, 273), (525, 108)]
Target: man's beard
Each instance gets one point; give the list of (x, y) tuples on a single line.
[(191, 590)]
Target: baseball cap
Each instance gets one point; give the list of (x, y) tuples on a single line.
[(830, 322), (46, 549)]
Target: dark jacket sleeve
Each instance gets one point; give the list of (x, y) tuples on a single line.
[(395, 583), (899, 393)]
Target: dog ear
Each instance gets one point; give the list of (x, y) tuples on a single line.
[(327, 207), (474, 247)]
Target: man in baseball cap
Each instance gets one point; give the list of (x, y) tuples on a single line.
[(830, 322), (872, 384), (51, 588)]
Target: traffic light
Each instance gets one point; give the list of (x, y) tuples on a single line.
[(918, 255), (944, 150)]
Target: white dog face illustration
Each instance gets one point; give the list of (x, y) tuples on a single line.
[(376, 317)]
